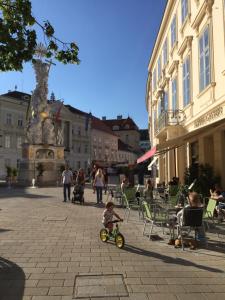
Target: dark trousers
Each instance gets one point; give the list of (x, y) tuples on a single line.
[(66, 187), (99, 193)]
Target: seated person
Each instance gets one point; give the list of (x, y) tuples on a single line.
[(194, 202), (148, 191), (216, 195), (124, 184)]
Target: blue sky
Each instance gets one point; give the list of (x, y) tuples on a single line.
[(115, 38)]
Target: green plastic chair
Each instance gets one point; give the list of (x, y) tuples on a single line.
[(152, 219), (130, 205), (209, 212), (172, 201)]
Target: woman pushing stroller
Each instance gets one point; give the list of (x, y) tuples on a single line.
[(78, 191)]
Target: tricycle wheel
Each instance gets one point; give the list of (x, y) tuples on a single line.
[(103, 235), (119, 240)]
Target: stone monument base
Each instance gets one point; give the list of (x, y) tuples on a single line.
[(42, 163)]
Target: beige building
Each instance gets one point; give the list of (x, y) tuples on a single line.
[(104, 144), (126, 154), (126, 130), (13, 107), (76, 125), (185, 94), (77, 137)]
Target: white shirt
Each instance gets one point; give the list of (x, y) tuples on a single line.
[(67, 176), (99, 181)]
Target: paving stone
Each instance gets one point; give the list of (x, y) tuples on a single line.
[(162, 296), (35, 291), (49, 255), (50, 283), (46, 298), (191, 296), (61, 291)]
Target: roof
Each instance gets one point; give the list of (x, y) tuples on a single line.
[(144, 135), (18, 96), (75, 110), (100, 125), (122, 123)]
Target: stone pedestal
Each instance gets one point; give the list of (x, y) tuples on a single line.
[(37, 158)]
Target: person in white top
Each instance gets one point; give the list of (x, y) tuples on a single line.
[(99, 184), (67, 180)]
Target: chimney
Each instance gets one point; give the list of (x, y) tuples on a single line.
[(103, 118), (119, 117)]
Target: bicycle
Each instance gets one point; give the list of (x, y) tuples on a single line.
[(115, 236)]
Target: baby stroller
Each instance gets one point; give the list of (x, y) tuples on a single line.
[(78, 194)]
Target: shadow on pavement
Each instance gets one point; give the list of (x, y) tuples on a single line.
[(20, 192), (4, 230), (12, 280), (168, 259)]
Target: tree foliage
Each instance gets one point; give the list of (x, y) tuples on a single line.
[(18, 37)]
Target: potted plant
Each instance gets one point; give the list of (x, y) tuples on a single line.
[(9, 174), (14, 174)]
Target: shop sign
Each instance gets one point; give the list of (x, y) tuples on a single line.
[(209, 117)]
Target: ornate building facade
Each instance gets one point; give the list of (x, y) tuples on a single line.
[(76, 132), (185, 95)]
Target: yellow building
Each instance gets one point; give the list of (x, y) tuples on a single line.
[(185, 94)]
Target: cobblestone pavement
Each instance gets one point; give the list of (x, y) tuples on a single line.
[(47, 245)]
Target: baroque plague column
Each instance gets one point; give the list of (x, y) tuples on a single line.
[(43, 152)]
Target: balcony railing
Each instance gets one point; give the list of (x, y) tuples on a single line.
[(169, 118)]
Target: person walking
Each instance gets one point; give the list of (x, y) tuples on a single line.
[(93, 173), (105, 173), (67, 180), (80, 180), (99, 184)]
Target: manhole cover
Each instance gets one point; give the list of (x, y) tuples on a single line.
[(95, 286), (48, 219)]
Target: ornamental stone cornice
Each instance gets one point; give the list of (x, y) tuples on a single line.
[(206, 9), (173, 67), (187, 43)]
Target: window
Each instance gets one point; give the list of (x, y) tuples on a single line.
[(85, 148), (204, 56), (79, 149), (164, 104), (116, 127), (19, 142), (79, 131), (186, 81), (85, 165), (20, 121), (7, 141), (173, 30), (18, 163), (155, 119), (154, 80), (78, 165), (174, 94), (127, 138), (159, 67), (165, 52), (8, 119), (184, 10), (159, 107), (127, 126), (194, 152), (8, 162)]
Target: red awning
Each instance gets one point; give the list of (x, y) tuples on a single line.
[(147, 155)]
